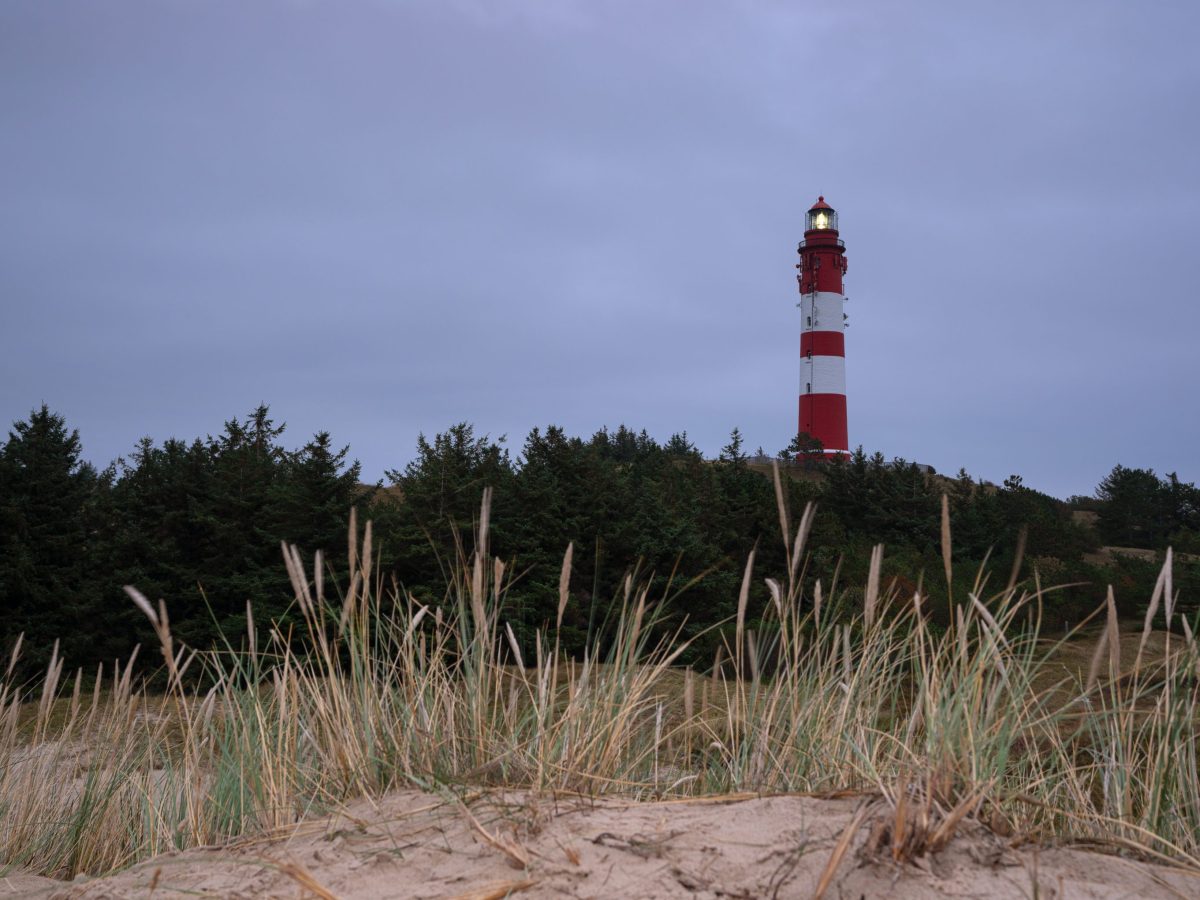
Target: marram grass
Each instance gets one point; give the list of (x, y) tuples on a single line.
[(383, 690)]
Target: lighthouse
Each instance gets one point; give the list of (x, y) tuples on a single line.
[(823, 330)]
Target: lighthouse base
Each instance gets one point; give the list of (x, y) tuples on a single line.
[(824, 417)]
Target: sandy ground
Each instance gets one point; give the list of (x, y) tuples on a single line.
[(419, 845)]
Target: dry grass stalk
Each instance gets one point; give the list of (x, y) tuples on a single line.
[(872, 593), (689, 694), (305, 879), (518, 857), (839, 852), (946, 563), (776, 592), (564, 583), (802, 532), (1113, 632), (743, 601), (512, 643), (1155, 599), (1098, 655), (1169, 597), (847, 674), (900, 824), (781, 506), (949, 824)]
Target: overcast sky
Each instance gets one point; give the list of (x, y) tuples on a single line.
[(383, 218)]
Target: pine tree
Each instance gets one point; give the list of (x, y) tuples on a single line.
[(803, 446), (49, 540), (732, 452), (314, 493), (1135, 504), (436, 505), (242, 519), (163, 535), (678, 445)]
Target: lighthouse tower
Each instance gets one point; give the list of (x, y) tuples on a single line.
[(822, 330)]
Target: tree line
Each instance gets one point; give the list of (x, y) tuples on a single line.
[(199, 523)]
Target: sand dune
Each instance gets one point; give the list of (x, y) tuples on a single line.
[(493, 845)]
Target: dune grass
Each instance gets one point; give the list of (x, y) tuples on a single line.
[(381, 690)]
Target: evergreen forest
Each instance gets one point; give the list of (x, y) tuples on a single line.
[(200, 522)]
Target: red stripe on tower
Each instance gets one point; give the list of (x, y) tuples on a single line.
[(822, 343), (822, 330)]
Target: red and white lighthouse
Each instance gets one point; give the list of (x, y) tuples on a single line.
[(823, 330)]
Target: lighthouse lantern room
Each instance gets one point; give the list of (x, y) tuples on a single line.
[(822, 330)]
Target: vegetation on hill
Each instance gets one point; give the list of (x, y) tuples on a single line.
[(200, 523), (981, 724)]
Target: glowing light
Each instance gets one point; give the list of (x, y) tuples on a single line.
[(822, 220)]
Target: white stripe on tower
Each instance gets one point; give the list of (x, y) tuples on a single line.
[(823, 375), (828, 315)]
